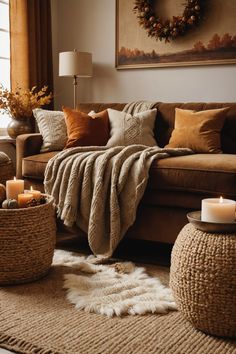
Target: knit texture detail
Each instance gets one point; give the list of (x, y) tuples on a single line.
[(99, 189), (128, 129), (52, 126)]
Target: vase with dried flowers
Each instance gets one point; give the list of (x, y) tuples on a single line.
[(18, 104)]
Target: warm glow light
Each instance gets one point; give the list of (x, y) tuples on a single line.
[(31, 188), (14, 178), (221, 199)]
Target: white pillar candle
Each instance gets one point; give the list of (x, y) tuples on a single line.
[(218, 210), (36, 194), (14, 187), (23, 199)]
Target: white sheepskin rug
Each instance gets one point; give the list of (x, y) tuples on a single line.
[(113, 290)]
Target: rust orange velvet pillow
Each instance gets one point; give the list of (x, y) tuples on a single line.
[(86, 130), (199, 131)]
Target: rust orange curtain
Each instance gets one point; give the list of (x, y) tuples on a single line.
[(31, 43)]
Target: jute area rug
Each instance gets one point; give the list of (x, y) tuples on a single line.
[(37, 318)]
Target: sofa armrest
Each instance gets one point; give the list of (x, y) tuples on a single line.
[(26, 145)]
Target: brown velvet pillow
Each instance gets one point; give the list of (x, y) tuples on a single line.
[(86, 130), (199, 131)]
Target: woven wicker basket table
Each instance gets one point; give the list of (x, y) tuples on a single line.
[(27, 241), (203, 279)]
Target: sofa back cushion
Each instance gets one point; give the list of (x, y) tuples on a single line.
[(166, 119)]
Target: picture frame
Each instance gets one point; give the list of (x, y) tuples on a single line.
[(213, 42)]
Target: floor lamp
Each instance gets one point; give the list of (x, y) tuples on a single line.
[(75, 64)]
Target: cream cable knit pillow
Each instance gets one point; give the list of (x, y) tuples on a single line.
[(128, 130), (52, 126)]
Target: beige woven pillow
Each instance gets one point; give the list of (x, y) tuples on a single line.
[(128, 130), (52, 127)]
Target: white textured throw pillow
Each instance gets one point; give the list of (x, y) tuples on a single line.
[(52, 126), (127, 129)]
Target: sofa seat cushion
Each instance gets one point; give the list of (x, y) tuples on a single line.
[(198, 173), (34, 166)]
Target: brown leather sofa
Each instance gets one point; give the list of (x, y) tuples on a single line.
[(176, 184)]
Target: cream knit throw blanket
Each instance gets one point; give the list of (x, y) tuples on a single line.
[(138, 106), (99, 189)]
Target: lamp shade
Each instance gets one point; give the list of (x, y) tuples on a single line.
[(75, 63)]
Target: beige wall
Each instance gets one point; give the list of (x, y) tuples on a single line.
[(89, 25)]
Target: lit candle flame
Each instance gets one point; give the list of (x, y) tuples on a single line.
[(14, 178), (221, 199), (31, 188)]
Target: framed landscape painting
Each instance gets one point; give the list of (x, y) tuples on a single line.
[(211, 41)]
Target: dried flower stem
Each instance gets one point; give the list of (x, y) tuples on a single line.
[(20, 103)]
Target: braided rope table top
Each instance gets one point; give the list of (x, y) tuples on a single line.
[(203, 279)]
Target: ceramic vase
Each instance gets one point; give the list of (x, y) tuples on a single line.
[(19, 126)]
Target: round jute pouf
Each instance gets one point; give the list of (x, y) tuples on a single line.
[(27, 241), (203, 280)]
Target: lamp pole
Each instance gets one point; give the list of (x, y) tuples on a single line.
[(75, 83)]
